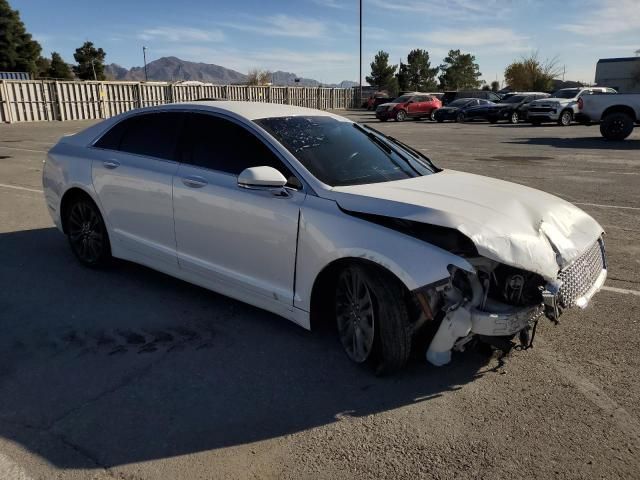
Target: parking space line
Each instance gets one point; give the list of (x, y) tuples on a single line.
[(607, 206), (16, 187), (625, 291), (23, 149)]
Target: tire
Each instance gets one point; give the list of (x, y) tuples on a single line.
[(87, 233), (514, 118), (566, 117), (373, 324), (432, 115), (401, 116), (616, 126), (460, 118)]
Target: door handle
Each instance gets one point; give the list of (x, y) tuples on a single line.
[(111, 164), (194, 182)]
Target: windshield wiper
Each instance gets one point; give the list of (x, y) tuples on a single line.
[(406, 147)]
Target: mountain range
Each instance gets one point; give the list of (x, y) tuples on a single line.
[(173, 69)]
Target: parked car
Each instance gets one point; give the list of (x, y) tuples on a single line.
[(616, 114), (315, 218), (513, 108), (415, 105), (462, 110), (450, 96), (378, 99), (562, 105)]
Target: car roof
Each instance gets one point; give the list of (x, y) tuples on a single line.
[(249, 110)]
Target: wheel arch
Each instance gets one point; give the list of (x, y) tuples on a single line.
[(325, 282), (73, 193), (620, 109)]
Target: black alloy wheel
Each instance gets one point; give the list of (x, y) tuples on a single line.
[(87, 234)]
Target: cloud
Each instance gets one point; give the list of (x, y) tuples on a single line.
[(458, 9), (181, 34), (506, 38), (282, 26), (339, 4), (606, 17)]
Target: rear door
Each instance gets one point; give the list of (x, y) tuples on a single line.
[(133, 175)]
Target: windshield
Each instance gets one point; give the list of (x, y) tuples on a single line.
[(513, 99), (566, 93), (459, 103), (403, 99), (344, 153)]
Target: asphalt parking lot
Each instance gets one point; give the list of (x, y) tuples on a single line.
[(127, 373)]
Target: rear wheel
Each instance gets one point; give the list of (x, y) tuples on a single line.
[(401, 116), (515, 118), (87, 233), (616, 126), (372, 319), (432, 115), (566, 117), (460, 118)]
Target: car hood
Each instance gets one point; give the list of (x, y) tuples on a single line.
[(388, 104), (553, 100), (507, 222)]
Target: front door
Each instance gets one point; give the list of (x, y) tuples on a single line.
[(236, 241)]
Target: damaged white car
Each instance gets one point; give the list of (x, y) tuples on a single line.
[(319, 219)]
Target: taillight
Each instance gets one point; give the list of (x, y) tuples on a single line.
[(580, 103)]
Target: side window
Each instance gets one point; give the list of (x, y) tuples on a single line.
[(151, 134), (111, 139), (218, 144)]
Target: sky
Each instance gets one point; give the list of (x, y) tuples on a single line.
[(319, 38)]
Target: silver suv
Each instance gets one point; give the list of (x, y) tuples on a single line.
[(562, 106)]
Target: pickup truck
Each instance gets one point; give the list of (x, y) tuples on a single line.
[(562, 106), (616, 114)]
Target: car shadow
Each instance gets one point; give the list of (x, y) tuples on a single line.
[(100, 368), (595, 143)]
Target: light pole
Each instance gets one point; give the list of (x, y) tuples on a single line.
[(360, 77), (144, 58), (93, 67)]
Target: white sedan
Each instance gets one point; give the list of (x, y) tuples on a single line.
[(319, 219)]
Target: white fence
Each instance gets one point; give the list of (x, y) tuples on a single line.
[(41, 100)]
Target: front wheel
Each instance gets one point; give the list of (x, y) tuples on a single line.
[(566, 117), (616, 126), (87, 234), (401, 116), (432, 116), (372, 318), (515, 118), (460, 118)]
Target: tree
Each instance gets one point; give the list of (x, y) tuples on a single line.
[(382, 74), (42, 67), (59, 69), (532, 74), (459, 71), (417, 74), (90, 62), (486, 88), (18, 51), (495, 86), (258, 77)]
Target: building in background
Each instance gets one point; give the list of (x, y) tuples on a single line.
[(623, 74)]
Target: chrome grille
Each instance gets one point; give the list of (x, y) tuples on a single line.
[(580, 276)]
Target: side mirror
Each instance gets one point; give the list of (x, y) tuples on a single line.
[(261, 178)]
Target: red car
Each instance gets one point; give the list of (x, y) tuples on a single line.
[(411, 105)]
